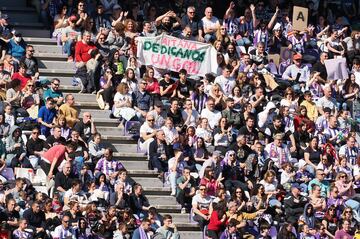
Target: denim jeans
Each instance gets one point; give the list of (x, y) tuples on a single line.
[(67, 47), (172, 178)]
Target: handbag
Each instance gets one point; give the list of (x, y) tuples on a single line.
[(100, 100)]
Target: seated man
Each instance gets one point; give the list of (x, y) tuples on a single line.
[(54, 92), (63, 179), (56, 138), (80, 155), (35, 147), (147, 132), (46, 117), (108, 166), (64, 230), (185, 189), (139, 204), (73, 193), (69, 111), (158, 155), (85, 127)]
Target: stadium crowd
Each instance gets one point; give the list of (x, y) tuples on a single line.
[(257, 149)]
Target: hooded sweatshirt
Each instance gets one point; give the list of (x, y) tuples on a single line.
[(264, 117), (11, 151)]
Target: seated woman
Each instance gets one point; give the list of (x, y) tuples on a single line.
[(30, 99), (222, 136), (123, 103), (65, 130), (107, 88), (204, 131)]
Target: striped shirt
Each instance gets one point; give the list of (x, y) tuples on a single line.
[(108, 167)]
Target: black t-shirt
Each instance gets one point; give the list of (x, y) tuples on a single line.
[(164, 86), (9, 216), (184, 88), (251, 136), (176, 117), (52, 141), (241, 152), (314, 156), (32, 65), (83, 129), (63, 181), (318, 67)]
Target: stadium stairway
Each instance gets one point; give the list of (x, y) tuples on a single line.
[(53, 63)]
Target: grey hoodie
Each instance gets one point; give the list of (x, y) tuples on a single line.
[(11, 151)]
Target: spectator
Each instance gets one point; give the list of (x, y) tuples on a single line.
[(139, 204), (108, 166), (46, 117), (85, 127), (31, 63), (36, 218), (56, 137), (69, 111), (35, 147), (20, 232), (54, 92)]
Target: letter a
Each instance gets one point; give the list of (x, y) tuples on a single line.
[(300, 16)]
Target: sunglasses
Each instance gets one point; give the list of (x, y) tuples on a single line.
[(56, 84), (65, 221), (202, 189), (151, 120), (238, 192), (35, 132)]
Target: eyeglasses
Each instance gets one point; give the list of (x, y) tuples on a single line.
[(30, 85), (31, 51)]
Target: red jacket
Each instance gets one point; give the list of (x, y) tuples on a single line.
[(215, 224), (82, 51)]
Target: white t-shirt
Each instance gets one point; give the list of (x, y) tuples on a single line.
[(202, 203), (212, 116), (226, 84), (210, 23), (62, 233), (193, 118)]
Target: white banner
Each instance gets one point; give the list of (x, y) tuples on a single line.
[(336, 69), (171, 53)]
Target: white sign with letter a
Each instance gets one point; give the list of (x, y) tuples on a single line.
[(300, 18)]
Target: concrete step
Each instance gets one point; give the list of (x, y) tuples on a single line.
[(29, 32), (51, 57), (83, 97), (113, 132), (40, 41), (24, 17), (135, 165), (30, 25), (146, 173), (48, 49), (15, 9), (149, 182), (156, 200), (190, 234), (188, 227), (180, 218), (164, 191), (122, 148), (99, 114), (58, 65), (128, 156), (56, 72), (13, 3)]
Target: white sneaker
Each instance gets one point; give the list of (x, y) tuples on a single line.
[(173, 192), (183, 210), (107, 107)]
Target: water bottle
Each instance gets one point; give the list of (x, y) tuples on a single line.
[(120, 68)]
